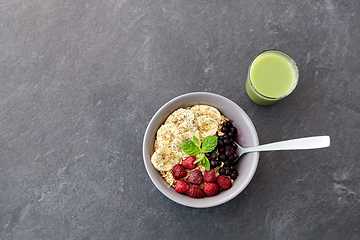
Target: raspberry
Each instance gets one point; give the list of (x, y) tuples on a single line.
[(181, 186), (189, 162), (178, 172), (209, 176), (195, 192), (224, 182), (195, 177), (211, 189)]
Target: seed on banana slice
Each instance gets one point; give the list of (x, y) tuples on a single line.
[(164, 160), (205, 110), (166, 134), (179, 116), (206, 125), (188, 127), (175, 146)]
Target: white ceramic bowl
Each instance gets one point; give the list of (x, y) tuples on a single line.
[(247, 137)]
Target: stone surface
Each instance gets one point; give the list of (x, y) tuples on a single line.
[(80, 81)]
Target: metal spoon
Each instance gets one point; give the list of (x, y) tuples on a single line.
[(295, 144)]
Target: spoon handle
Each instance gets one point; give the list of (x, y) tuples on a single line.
[(295, 144)]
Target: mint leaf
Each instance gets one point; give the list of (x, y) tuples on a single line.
[(199, 159), (209, 143), (196, 141), (203, 157), (206, 163), (190, 148)]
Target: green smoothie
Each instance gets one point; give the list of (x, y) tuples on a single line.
[(272, 76)]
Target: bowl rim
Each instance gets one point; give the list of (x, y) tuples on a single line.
[(162, 186)]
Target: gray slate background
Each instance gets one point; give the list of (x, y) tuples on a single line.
[(80, 80)]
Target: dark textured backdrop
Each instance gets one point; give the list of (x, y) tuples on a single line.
[(80, 81)]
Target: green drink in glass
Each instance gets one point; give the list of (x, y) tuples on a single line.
[(272, 76)]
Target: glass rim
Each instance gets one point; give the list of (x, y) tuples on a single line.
[(294, 65)]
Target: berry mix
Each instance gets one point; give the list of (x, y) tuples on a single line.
[(205, 173), (222, 173)]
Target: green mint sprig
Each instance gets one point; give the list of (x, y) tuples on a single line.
[(194, 147)]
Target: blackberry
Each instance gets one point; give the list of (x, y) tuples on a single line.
[(233, 130), (226, 163), (222, 171), (224, 129), (229, 124), (220, 142), (228, 172), (222, 157), (213, 164), (231, 135), (233, 174), (227, 142), (213, 155), (228, 152)]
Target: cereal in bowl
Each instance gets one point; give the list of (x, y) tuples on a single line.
[(194, 151)]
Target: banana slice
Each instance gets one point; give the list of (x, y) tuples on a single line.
[(179, 116), (207, 126), (175, 146), (166, 134), (205, 110), (188, 127), (164, 160)]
